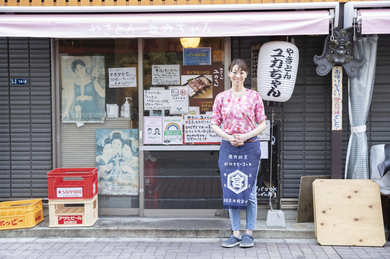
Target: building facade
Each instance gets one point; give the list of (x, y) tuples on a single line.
[(68, 71)]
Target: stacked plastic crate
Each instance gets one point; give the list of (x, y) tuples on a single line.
[(20, 214), (73, 197)]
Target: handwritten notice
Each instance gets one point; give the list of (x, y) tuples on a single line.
[(179, 100), (196, 56), (165, 74), (197, 130), (157, 99), (122, 77), (153, 130), (337, 98), (173, 133)]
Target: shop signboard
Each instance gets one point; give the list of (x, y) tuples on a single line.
[(165, 74), (197, 130), (117, 161), (122, 77), (196, 56), (277, 70)]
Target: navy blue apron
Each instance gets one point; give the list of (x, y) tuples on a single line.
[(238, 167)]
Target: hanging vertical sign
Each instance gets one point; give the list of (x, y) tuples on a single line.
[(337, 98), (277, 70)]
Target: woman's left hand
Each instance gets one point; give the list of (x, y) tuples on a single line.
[(240, 139)]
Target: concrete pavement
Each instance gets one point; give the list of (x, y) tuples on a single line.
[(177, 248)]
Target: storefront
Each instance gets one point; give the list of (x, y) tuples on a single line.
[(149, 164)]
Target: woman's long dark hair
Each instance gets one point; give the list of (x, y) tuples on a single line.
[(240, 63)]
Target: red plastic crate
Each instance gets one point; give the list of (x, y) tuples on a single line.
[(72, 183)]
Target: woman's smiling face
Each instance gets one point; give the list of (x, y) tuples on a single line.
[(237, 76)]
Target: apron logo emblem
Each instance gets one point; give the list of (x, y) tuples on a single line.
[(237, 181)]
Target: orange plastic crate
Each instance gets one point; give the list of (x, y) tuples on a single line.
[(20, 214)]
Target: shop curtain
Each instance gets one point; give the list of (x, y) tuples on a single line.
[(359, 98)]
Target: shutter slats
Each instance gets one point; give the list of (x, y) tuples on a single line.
[(25, 118)]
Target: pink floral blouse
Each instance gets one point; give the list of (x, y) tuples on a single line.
[(239, 115)]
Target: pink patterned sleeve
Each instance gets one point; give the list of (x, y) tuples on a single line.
[(259, 110), (217, 108)]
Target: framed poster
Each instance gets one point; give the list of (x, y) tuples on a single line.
[(117, 161), (83, 88)]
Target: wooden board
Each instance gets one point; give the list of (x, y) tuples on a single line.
[(305, 202), (348, 212)]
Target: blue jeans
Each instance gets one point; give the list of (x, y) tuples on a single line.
[(251, 212)]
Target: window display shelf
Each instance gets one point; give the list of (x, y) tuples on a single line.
[(180, 148)]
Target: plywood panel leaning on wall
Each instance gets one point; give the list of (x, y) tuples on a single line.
[(348, 212)]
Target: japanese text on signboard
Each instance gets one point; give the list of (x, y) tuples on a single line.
[(197, 130), (280, 68)]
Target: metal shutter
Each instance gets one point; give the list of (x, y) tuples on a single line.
[(378, 130), (5, 153), (306, 143), (29, 120)]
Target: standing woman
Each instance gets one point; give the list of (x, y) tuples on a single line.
[(238, 117)]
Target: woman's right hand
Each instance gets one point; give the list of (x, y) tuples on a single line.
[(236, 142)]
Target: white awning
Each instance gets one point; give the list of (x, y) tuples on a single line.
[(375, 21), (162, 25)]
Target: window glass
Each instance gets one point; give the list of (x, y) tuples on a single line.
[(99, 115), (180, 85)]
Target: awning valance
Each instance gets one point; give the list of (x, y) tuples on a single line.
[(375, 21), (159, 25)]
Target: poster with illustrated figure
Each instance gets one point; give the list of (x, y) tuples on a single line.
[(117, 161), (83, 88)]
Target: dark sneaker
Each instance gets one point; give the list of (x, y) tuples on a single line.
[(247, 241), (232, 241)]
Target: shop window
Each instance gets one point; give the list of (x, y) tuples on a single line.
[(99, 115), (180, 85)]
